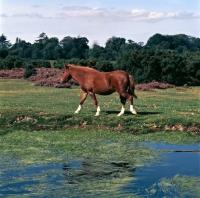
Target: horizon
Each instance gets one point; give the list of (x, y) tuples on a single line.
[(88, 39), (97, 20)]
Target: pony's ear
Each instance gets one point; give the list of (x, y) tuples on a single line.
[(66, 66)]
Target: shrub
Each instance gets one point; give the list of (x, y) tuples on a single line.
[(29, 72), (11, 62), (3, 53), (104, 66)]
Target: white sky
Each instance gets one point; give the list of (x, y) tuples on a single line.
[(98, 20)]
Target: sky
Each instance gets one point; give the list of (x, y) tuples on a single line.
[(98, 20)]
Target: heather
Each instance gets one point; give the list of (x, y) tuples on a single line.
[(152, 86), (50, 77), (40, 77), (16, 73)]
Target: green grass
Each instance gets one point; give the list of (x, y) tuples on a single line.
[(25, 106), (36, 147), (38, 127)]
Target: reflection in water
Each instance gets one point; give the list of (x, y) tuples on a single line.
[(77, 172)]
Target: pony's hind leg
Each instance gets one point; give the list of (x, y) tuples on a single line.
[(95, 102), (132, 110), (124, 97), (123, 101), (84, 96)]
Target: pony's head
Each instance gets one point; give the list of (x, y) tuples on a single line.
[(66, 76)]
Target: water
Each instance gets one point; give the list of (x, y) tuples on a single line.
[(148, 181), (171, 164)]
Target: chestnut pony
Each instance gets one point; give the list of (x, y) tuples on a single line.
[(103, 83)]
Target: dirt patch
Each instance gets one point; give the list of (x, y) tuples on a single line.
[(25, 119), (193, 129)]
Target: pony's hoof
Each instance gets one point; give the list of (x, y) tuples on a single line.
[(120, 114), (76, 112), (134, 112), (97, 113)]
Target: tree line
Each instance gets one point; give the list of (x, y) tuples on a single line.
[(172, 59)]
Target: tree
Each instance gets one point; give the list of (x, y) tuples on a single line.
[(180, 42), (42, 38), (114, 47), (38, 46), (115, 43), (74, 47), (131, 45), (96, 51), (52, 49), (155, 40), (4, 44), (21, 48)]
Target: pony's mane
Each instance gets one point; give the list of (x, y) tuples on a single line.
[(82, 67)]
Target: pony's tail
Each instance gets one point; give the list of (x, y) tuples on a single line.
[(132, 87)]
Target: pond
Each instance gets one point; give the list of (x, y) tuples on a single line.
[(158, 180), (175, 174)]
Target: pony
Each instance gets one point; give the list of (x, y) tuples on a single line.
[(103, 83)]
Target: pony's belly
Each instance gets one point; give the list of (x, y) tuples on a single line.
[(105, 92)]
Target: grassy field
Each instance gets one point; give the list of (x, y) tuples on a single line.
[(38, 126), (24, 106)]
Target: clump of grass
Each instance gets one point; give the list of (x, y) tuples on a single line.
[(178, 186)]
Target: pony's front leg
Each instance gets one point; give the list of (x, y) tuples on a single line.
[(78, 109), (84, 96), (96, 103), (98, 111), (122, 111)]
